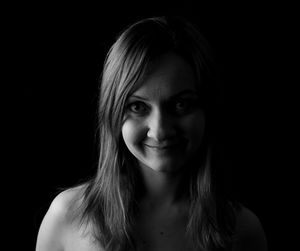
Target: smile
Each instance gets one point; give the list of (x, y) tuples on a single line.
[(159, 147), (162, 147)]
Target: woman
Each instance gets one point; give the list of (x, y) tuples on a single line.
[(157, 185)]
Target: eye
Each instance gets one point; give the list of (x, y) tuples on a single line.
[(137, 107), (182, 105)]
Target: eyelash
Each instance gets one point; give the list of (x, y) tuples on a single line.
[(187, 103), (130, 107)]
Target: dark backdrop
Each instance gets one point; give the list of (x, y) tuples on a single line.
[(58, 52)]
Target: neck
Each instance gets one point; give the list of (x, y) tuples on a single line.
[(162, 188)]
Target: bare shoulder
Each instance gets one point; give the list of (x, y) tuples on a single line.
[(57, 220), (249, 232)]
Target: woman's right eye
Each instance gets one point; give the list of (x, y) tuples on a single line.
[(137, 107)]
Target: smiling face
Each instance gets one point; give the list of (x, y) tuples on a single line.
[(164, 123)]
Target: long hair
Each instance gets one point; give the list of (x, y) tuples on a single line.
[(110, 199)]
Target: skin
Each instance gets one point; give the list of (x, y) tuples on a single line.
[(163, 135), (58, 232), (164, 125), (163, 128)]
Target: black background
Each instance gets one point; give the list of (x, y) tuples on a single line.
[(56, 52)]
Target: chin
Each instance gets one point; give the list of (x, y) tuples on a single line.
[(164, 166)]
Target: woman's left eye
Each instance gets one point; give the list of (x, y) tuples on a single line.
[(182, 105)]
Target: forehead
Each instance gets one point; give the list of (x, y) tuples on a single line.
[(169, 75)]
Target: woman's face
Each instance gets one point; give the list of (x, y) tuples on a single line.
[(164, 123)]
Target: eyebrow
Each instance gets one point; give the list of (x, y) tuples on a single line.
[(184, 92)]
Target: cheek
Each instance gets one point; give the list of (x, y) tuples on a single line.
[(132, 132), (195, 127)]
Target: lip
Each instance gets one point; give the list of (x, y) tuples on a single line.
[(162, 147)]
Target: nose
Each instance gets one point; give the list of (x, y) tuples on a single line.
[(161, 127)]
